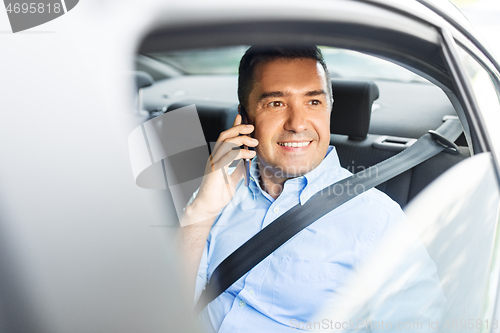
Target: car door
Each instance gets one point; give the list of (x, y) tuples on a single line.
[(456, 216)]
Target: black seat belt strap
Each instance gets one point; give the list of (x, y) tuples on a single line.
[(300, 216)]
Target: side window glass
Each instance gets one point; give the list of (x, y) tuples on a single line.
[(485, 92)]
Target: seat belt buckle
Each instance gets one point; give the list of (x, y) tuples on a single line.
[(450, 147)]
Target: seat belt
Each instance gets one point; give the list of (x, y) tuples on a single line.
[(300, 216)]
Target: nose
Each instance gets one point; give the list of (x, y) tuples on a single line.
[(296, 118)]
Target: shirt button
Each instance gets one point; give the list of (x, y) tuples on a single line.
[(242, 304), (276, 209), (303, 196), (251, 292)]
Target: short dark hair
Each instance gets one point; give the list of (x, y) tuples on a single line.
[(256, 54)]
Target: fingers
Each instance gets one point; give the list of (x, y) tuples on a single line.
[(237, 119), (231, 156), (235, 131), (232, 144), (227, 149), (243, 140), (234, 137)]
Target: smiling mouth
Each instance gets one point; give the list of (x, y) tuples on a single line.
[(295, 144)]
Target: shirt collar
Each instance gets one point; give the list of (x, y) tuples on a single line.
[(320, 177), (330, 161), (329, 164)]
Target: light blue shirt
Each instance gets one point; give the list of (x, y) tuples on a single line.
[(292, 285)]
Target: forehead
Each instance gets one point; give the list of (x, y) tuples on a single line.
[(289, 74)]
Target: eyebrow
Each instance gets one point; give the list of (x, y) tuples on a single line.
[(316, 93), (282, 94), (271, 94)]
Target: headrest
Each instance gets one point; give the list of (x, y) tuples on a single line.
[(215, 117), (352, 107)]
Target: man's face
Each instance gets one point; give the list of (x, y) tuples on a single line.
[(290, 109)]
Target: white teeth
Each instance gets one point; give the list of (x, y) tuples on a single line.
[(294, 144)]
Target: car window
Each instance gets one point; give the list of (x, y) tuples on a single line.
[(485, 91), (341, 63)]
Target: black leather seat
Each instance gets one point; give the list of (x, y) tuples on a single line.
[(359, 150), (215, 117)]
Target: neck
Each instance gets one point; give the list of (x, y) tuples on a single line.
[(270, 183)]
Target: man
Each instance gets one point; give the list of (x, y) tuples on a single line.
[(285, 95)]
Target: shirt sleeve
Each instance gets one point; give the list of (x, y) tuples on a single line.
[(201, 277)]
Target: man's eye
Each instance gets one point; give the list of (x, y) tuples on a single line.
[(276, 104), (315, 102)]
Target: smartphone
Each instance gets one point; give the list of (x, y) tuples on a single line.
[(246, 161)]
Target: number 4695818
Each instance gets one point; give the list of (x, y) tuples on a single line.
[(33, 7)]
